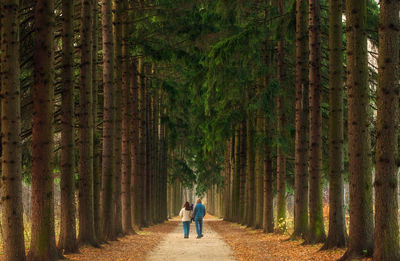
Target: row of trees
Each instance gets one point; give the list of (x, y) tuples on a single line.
[(108, 137), (260, 148)]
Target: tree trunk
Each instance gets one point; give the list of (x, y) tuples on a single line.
[(268, 209), (86, 214), (259, 169), (135, 150), (386, 242), (337, 236), (67, 241), (242, 171), (147, 145), (281, 157), (126, 125), (11, 177), (43, 242), (250, 173), (108, 124), (141, 198), (96, 133), (361, 213), (316, 231), (117, 26), (226, 180), (236, 178), (301, 144)]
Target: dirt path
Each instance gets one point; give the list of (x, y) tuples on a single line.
[(176, 248)]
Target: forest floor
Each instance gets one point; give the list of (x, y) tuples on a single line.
[(252, 244), (131, 247), (222, 241)]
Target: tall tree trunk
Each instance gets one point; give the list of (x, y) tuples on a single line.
[(268, 206), (226, 180), (96, 133), (141, 198), (250, 173), (360, 176), (67, 241), (386, 242), (301, 144), (259, 169), (236, 178), (281, 157), (108, 123), (43, 242), (117, 26), (11, 177), (134, 130), (86, 214), (337, 236), (242, 171), (146, 131), (316, 231), (231, 179), (268, 128), (126, 125)]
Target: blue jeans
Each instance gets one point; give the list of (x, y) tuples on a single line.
[(186, 228), (199, 227)]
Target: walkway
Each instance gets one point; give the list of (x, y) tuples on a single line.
[(176, 248)]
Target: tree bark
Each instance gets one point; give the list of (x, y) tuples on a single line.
[(337, 235), (301, 141), (43, 242), (117, 31), (141, 195), (126, 125), (281, 156), (108, 162), (250, 174), (236, 178), (11, 176), (242, 171), (361, 213), (386, 242), (96, 133), (316, 231), (268, 210), (67, 241), (259, 169), (86, 213), (226, 180), (134, 187)]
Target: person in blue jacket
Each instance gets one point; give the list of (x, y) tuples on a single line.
[(198, 215)]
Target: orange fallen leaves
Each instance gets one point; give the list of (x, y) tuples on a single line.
[(131, 247), (249, 244)]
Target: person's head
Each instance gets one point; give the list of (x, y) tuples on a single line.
[(198, 201), (186, 205)]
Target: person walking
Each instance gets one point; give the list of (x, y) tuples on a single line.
[(198, 215), (186, 215)]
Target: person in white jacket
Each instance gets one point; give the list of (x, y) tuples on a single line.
[(186, 215)]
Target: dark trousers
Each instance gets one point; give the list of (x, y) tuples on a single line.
[(186, 228), (199, 226)]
